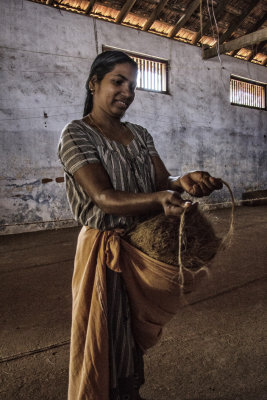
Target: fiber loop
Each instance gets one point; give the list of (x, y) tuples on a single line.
[(226, 241)]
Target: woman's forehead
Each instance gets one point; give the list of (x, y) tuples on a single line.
[(126, 70)]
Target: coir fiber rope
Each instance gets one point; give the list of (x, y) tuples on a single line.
[(224, 244)]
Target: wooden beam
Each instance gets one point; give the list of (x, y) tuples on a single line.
[(243, 41), (154, 14), (234, 52), (259, 23), (256, 50), (237, 21), (184, 18), (254, 28), (124, 11), (218, 13), (90, 7)]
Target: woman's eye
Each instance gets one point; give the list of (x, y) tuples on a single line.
[(118, 82)]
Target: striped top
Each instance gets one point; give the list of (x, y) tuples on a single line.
[(129, 168)]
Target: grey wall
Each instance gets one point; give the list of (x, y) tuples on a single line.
[(46, 55)]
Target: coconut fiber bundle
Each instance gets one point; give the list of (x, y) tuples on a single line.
[(188, 241), (158, 237)]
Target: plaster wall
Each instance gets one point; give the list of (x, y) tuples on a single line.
[(45, 59)]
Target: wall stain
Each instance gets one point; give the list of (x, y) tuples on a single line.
[(15, 185), (96, 38), (46, 180), (24, 197)]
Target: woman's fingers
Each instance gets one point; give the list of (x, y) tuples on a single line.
[(171, 210), (189, 185), (208, 182), (196, 189), (173, 205), (216, 182), (205, 189), (200, 183)]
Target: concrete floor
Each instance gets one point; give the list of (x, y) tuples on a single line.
[(212, 350)]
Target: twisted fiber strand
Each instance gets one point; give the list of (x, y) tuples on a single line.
[(225, 242), (228, 237)]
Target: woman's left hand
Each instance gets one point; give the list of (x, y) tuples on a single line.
[(198, 183)]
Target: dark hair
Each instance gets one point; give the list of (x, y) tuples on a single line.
[(104, 63)]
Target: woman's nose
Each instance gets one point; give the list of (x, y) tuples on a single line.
[(127, 90)]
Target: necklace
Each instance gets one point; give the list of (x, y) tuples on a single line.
[(92, 121)]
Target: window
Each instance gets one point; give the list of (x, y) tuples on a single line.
[(152, 72), (247, 93)]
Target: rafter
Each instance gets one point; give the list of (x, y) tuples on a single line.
[(256, 50), (254, 28), (184, 18), (234, 52), (90, 7), (243, 41), (154, 14), (258, 24), (124, 11), (218, 14), (237, 21)]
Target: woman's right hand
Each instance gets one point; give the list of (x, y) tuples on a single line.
[(173, 204)]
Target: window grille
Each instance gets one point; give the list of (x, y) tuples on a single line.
[(247, 93), (152, 72)]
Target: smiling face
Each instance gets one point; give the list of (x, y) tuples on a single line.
[(114, 94)]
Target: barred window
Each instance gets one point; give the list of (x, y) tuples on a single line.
[(247, 93), (152, 72)]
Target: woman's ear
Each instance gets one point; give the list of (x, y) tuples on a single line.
[(92, 83)]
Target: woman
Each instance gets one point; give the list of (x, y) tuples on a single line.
[(114, 177)]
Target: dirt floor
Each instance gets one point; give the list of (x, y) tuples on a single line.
[(213, 349)]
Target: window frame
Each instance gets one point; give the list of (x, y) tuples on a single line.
[(253, 82), (148, 58)]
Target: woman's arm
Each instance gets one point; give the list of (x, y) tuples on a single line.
[(196, 183), (96, 183)]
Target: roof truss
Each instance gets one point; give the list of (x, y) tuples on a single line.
[(237, 21), (256, 49), (218, 13), (90, 6), (154, 15), (184, 18), (181, 20), (243, 41), (254, 28), (124, 11)]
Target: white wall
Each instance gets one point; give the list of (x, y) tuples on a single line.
[(45, 60)]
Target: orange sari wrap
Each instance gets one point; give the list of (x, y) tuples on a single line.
[(154, 296)]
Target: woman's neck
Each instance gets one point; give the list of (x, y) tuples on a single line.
[(105, 121), (110, 127)]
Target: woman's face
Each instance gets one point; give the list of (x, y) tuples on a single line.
[(115, 92)]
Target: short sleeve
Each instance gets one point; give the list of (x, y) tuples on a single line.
[(76, 148), (150, 144)]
